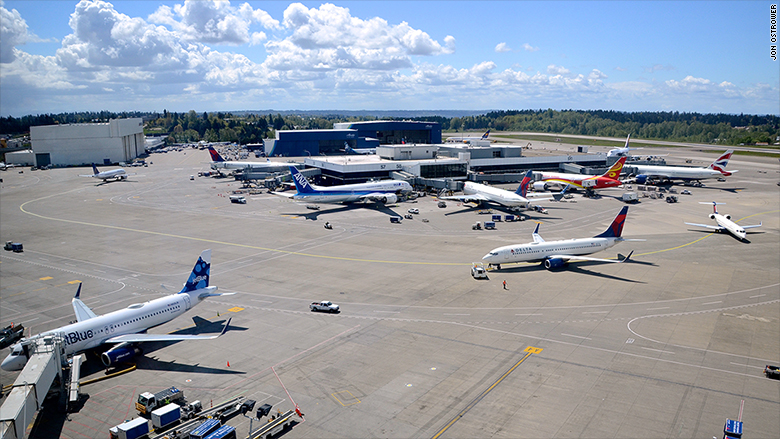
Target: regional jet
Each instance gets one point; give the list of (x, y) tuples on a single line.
[(608, 179), (725, 224), (480, 193), (555, 254), (385, 191), (716, 169), (116, 174), (125, 328)]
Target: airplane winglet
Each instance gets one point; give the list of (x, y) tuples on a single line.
[(78, 292), (224, 330)]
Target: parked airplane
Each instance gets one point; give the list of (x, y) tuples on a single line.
[(607, 180), (480, 193), (621, 152), (555, 254), (479, 141), (217, 162), (385, 191), (117, 174), (716, 169), (127, 327), (358, 151), (725, 224)]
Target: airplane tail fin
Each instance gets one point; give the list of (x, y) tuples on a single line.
[(714, 205), (524, 183), (720, 163), (199, 278), (616, 228), (614, 171), (301, 184), (95, 169), (627, 140), (215, 157), (485, 136)]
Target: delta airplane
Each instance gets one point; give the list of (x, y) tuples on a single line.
[(555, 254), (621, 152), (385, 191), (725, 223), (715, 170), (217, 162), (480, 193), (607, 180), (127, 327), (117, 174)]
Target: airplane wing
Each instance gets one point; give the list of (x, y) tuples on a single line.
[(86, 175), (82, 311), (708, 226), (140, 338), (283, 194), (754, 226), (569, 258), (475, 198)]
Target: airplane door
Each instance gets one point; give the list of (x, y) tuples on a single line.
[(187, 304)]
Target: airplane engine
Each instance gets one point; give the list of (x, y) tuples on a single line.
[(712, 216), (389, 198), (541, 186), (119, 355), (728, 217), (554, 263), (641, 179)]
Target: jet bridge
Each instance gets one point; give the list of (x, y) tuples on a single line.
[(46, 356)]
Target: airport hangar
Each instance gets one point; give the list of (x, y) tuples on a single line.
[(119, 140)]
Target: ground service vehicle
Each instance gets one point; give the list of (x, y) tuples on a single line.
[(772, 372), (395, 219), (10, 334), (478, 271), (165, 416), (325, 306), (630, 197), (133, 429), (671, 198), (496, 218), (15, 247), (238, 199), (148, 401), (490, 225), (204, 429), (224, 432), (414, 210)]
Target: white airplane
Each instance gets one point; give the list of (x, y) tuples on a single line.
[(385, 191), (358, 151), (127, 327), (715, 170), (725, 223), (480, 193), (477, 141), (621, 152), (217, 162), (606, 180), (555, 254), (116, 174)]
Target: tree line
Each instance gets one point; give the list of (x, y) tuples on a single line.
[(249, 127)]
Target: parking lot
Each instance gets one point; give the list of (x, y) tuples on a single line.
[(667, 345)]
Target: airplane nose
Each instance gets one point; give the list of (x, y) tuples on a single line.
[(487, 257)]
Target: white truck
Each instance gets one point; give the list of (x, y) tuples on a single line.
[(324, 306)]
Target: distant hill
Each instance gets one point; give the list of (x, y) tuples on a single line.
[(366, 113)]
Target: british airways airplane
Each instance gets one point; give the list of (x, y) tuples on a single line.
[(385, 191), (716, 169), (127, 327), (555, 254)]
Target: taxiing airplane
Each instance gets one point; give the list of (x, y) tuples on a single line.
[(217, 162), (725, 224), (126, 328), (385, 191), (116, 174), (607, 180), (716, 169), (480, 193), (555, 254), (471, 140), (621, 152)]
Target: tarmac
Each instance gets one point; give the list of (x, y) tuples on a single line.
[(668, 344)]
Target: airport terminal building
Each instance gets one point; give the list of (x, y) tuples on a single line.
[(119, 140), (359, 135)]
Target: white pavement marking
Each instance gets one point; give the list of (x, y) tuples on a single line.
[(576, 336)]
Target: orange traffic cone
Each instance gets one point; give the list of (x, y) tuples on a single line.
[(228, 364)]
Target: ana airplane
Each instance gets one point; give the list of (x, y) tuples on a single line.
[(555, 254), (621, 152), (725, 224), (217, 162), (480, 193), (126, 328), (607, 180), (116, 174), (385, 191), (716, 169), (479, 141)]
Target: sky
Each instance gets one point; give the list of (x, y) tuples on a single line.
[(92, 55)]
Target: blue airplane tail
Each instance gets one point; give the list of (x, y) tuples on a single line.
[(616, 228), (485, 136), (199, 278), (95, 169), (301, 184), (524, 183)]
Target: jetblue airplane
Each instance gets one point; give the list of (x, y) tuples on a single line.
[(555, 254), (385, 191), (685, 173), (725, 224), (117, 174), (127, 327), (480, 193), (217, 162)]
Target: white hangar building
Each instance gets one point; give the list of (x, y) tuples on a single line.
[(119, 140)]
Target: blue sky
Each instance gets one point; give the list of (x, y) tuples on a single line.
[(708, 57)]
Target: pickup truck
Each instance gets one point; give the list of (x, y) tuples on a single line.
[(324, 306)]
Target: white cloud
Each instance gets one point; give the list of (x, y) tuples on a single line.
[(502, 47), (530, 48), (557, 70), (13, 32)]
